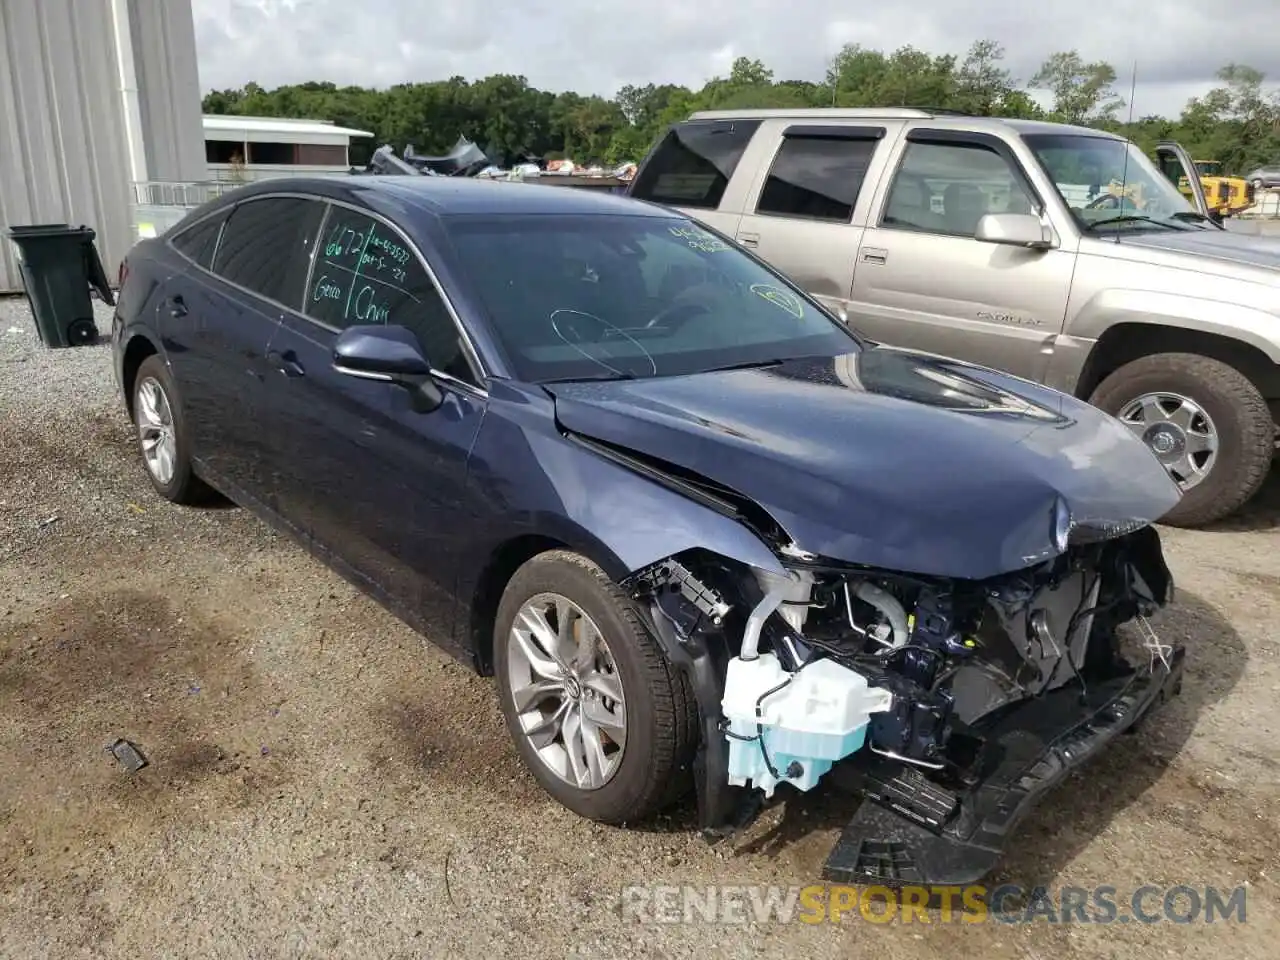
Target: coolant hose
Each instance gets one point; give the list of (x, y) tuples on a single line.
[(775, 590), (887, 604)]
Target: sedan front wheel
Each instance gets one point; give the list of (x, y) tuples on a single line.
[(599, 717)]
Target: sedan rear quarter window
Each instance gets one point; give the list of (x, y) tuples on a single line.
[(199, 241)]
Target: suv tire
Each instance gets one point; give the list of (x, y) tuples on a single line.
[(1245, 429)]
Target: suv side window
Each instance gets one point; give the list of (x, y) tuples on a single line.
[(692, 165), (266, 246), (947, 188), (816, 178), (198, 242), (364, 274)]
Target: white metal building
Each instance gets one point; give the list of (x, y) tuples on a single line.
[(260, 147), (95, 95)]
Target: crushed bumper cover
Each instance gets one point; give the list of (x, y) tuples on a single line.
[(910, 831)]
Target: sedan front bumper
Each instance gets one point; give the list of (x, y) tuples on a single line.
[(910, 831)]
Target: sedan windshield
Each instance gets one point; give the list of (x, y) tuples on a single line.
[(1105, 181), (605, 297)]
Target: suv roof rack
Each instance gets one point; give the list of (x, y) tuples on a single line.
[(833, 113)]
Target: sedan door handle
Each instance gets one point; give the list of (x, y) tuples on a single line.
[(177, 307), (287, 363), (749, 239), (875, 255)]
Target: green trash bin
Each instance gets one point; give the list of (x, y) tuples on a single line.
[(59, 264)]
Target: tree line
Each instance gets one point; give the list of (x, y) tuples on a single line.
[(1237, 122)]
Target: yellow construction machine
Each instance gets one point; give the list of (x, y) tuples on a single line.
[(1226, 195)]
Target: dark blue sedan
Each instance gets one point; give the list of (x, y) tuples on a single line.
[(703, 535)]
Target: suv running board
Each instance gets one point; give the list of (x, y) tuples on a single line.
[(910, 831)]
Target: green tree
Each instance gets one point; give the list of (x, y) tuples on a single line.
[(983, 86), (1082, 92), (1237, 122)]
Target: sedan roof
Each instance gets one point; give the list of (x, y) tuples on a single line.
[(459, 196)]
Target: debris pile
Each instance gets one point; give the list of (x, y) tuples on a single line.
[(467, 159)]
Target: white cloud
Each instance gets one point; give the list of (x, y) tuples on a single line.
[(596, 47)]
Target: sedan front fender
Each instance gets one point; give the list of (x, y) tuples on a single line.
[(532, 481)]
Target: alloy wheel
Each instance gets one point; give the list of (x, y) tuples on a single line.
[(566, 691), (154, 417)]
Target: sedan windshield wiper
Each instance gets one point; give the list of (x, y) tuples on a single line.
[(591, 378), (744, 365)]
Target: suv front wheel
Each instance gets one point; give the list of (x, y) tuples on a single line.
[(1204, 420)]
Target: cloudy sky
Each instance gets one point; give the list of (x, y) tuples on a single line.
[(594, 46)]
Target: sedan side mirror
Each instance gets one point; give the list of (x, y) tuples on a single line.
[(390, 354), (1014, 230)]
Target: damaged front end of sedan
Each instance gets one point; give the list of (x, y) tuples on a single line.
[(951, 705)]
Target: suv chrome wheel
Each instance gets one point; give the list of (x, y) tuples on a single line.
[(1178, 431), (567, 691)]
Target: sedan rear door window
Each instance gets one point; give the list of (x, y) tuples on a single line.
[(366, 274), (266, 247)]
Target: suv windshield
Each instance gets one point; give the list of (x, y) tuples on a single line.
[(591, 297), (1104, 180)]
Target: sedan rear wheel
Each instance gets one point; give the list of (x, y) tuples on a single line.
[(155, 431), (162, 434), (602, 721)]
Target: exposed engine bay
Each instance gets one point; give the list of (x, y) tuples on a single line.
[(908, 675)]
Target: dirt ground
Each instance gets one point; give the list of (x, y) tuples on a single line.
[(322, 782)]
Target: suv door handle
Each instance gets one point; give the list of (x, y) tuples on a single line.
[(287, 363), (875, 255), (749, 239), (177, 307)]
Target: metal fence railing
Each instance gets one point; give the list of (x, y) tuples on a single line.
[(180, 193), (159, 204)]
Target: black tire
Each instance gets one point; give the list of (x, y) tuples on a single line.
[(661, 713), (1246, 431), (184, 487), (82, 333)]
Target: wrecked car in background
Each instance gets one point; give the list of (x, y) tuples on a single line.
[(466, 159), (701, 533)]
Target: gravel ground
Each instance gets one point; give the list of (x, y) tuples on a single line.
[(322, 782)]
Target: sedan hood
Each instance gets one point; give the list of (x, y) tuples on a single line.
[(885, 457), (1218, 244)]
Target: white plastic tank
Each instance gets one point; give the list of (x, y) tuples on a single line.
[(818, 716)]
